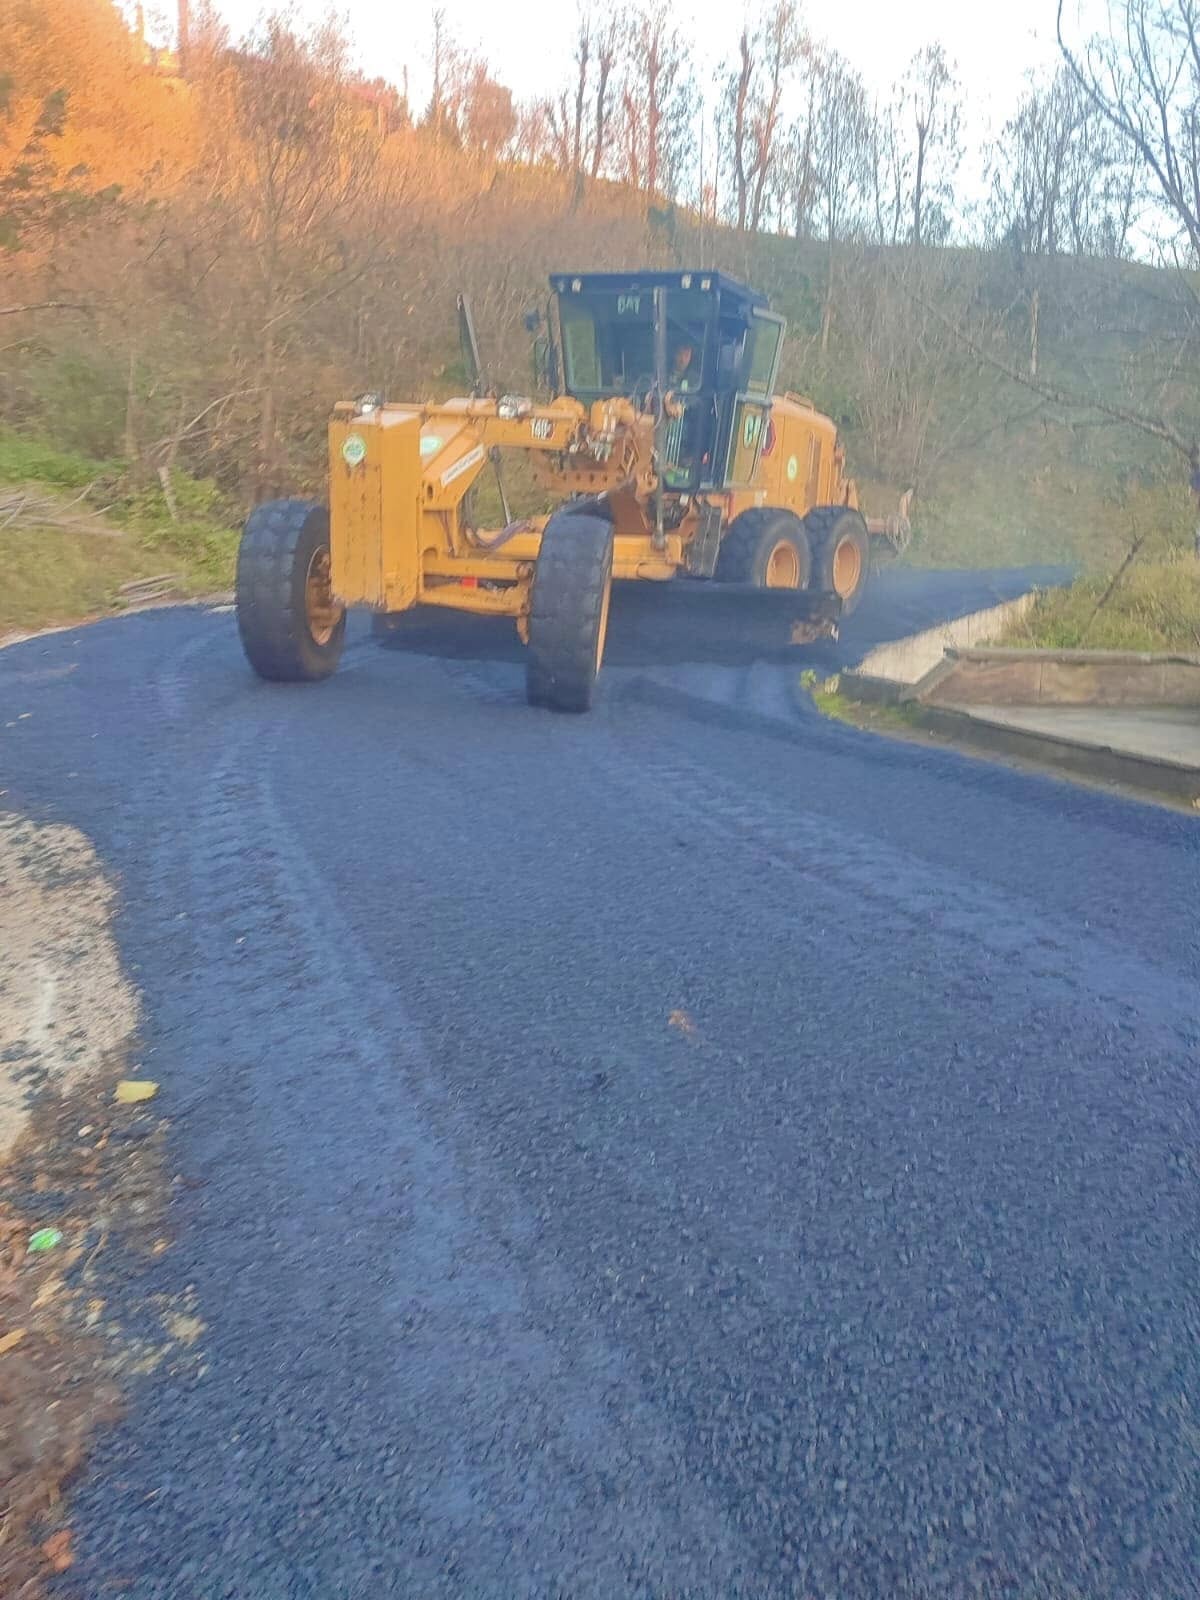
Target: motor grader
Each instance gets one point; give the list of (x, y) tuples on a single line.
[(664, 443)]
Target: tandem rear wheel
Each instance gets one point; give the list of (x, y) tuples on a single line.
[(568, 611), (841, 549), (291, 625), (768, 547)]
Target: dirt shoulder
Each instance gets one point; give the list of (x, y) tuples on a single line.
[(82, 1188), (66, 1008)]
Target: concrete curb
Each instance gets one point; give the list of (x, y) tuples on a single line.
[(1103, 763), (937, 695)]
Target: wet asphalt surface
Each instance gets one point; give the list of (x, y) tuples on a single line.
[(695, 1150)]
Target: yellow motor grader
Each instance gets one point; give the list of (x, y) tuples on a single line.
[(665, 444)]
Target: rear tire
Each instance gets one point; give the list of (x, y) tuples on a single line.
[(291, 626), (841, 553), (767, 547), (568, 615)]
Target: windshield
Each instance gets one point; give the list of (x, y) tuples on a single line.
[(608, 340)]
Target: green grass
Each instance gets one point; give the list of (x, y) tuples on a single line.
[(827, 696), (1155, 606), (34, 461), (60, 574)]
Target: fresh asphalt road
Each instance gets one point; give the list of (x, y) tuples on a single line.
[(695, 1150)]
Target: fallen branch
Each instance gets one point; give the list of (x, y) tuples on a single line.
[(1130, 558), (22, 510), (45, 305)]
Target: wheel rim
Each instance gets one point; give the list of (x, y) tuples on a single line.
[(602, 630), (783, 567), (321, 610), (847, 567)]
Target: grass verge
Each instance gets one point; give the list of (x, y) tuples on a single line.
[(73, 533), (1153, 607)]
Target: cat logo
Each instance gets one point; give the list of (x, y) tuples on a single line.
[(629, 305)]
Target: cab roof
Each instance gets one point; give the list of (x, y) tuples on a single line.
[(703, 279)]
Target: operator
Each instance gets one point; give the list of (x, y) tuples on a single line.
[(683, 377), (681, 431)]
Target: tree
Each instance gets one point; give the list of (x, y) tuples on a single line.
[(1143, 77), (753, 106), (580, 119), (840, 147), (891, 171), (300, 152), (656, 95), (1062, 183), (797, 181), (489, 120), (931, 100)]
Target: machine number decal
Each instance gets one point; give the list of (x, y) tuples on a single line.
[(354, 449), (750, 429), (463, 464), (541, 427), (793, 469)]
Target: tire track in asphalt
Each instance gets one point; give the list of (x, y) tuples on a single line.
[(548, 1443)]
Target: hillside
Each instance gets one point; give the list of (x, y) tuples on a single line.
[(226, 256)]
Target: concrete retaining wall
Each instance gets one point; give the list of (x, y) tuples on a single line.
[(908, 660), (1063, 678)]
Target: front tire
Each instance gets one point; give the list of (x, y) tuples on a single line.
[(841, 552), (292, 628), (767, 547), (568, 614)]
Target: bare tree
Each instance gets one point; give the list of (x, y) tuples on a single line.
[(931, 100), (752, 107), (891, 171), (656, 104), (796, 177), (1144, 78), (840, 146), (303, 153), (580, 118), (1063, 182)]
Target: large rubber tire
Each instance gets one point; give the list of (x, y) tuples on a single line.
[(568, 614), (767, 547), (841, 554), (284, 543)]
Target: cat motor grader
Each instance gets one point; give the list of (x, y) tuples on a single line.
[(665, 444)]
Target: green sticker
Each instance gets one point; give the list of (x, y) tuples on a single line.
[(44, 1239), (354, 450)]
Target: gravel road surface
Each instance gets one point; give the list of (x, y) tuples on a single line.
[(695, 1150)]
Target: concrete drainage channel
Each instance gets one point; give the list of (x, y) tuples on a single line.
[(1111, 716)]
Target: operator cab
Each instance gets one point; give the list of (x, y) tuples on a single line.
[(706, 341)]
